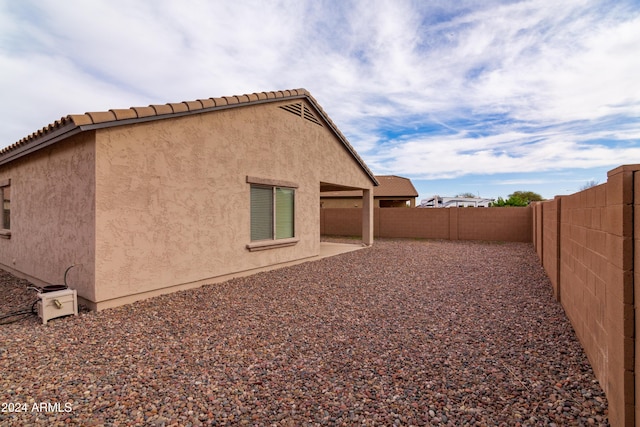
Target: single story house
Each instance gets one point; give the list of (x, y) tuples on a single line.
[(150, 200), (393, 192)]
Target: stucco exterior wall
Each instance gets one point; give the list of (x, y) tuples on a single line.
[(52, 211), (173, 203)]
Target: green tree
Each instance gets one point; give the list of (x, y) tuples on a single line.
[(518, 198), (511, 201), (527, 196), (466, 195), (499, 203)]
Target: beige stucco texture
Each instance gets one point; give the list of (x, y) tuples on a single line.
[(172, 202), (52, 215)]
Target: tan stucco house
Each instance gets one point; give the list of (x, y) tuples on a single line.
[(393, 192), (149, 200)]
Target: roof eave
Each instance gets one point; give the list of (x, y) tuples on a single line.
[(74, 124), (341, 137), (306, 96), (46, 140)]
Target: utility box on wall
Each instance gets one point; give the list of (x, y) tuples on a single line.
[(57, 304)]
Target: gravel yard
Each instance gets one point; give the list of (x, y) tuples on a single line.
[(405, 333)]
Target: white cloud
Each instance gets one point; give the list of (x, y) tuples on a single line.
[(458, 155), (508, 86)]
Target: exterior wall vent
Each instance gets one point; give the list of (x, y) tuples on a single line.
[(300, 109)]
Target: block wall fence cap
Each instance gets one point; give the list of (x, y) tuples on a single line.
[(624, 168)]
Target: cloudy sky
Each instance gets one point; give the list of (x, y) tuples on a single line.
[(487, 97)]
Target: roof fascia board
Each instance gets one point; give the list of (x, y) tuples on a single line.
[(341, 137), (60, 134), (72, 129)]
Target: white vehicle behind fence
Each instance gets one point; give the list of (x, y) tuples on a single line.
[(455, 202)]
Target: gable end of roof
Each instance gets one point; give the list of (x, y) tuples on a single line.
[(75, 123)]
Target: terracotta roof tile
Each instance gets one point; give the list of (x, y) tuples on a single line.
[(102, 116), (128, 113), (64, 121), (193, 105), (178, 107), (80, 119), (162, 109), (144, 111), (220, 101), (111, 117), (231, 99), (207, 103)]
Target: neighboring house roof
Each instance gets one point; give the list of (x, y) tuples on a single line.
[(76, 123), (390, 186)]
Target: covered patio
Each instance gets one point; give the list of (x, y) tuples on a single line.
[(367, 208)]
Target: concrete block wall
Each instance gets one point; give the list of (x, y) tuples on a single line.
[(501, 224), (549, 233), (341, 221), (498, 224), (412, 223), (636, 295), (586, 244)]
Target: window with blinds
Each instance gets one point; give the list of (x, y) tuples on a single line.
[(272, 212), (5, 194)]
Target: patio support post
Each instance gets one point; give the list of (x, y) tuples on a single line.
[(367, 217)]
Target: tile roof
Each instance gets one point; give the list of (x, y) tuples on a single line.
[(75, 123), (390, 186)]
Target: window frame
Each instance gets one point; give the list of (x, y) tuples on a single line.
[(273, 241), (5, 215)]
